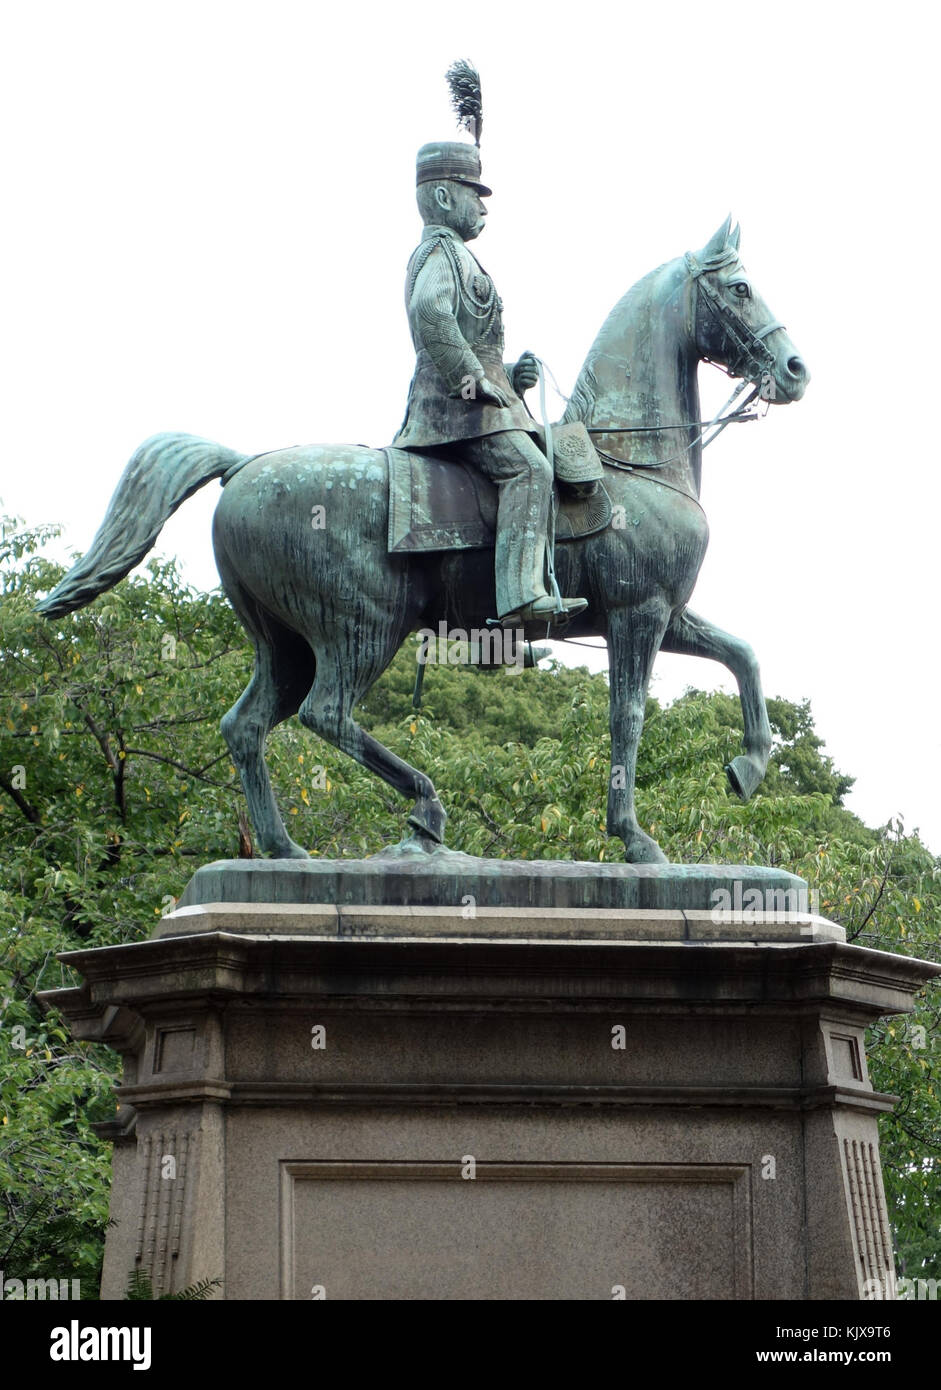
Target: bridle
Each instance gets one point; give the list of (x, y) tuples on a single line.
[(751, 360), (752, 356)]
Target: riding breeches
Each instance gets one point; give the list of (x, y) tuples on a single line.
[(521, 471)]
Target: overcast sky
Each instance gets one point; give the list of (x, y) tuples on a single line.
[(209, 208)]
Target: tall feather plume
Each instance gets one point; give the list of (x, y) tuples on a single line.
[(464, 81)]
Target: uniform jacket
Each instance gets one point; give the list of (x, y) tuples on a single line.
[(454, 314)]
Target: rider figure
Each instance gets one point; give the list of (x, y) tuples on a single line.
[(461, 394)]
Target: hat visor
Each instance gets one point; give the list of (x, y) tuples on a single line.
[(481, 188)]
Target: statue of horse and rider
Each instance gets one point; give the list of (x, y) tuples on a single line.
[(328, 606)]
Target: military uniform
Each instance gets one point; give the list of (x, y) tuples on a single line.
[(455, 317), (454, 314)]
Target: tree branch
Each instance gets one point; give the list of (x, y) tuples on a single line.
[(171, 762), (28, 809)]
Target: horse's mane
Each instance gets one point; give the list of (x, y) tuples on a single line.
[(582, 400), (585, 391)]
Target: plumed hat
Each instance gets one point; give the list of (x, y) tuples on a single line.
[(453, 159)]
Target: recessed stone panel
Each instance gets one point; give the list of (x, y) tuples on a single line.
[(174, 1049), (429, 1231)]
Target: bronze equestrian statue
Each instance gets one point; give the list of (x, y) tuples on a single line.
[(302, 535)]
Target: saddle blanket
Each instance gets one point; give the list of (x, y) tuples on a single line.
[(443, 504)]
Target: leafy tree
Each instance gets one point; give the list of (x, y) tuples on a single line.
[(111, 780), (115, 784)]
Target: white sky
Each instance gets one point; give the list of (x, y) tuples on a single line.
[(209, 208)]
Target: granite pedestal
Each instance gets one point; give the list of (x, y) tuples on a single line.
[(460, 1099)]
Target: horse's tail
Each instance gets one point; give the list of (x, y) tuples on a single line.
[(166, 470)]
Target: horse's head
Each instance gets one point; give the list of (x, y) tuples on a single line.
[(732, 325)]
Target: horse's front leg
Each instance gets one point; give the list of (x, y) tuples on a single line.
[(634, 637), (692, 635)]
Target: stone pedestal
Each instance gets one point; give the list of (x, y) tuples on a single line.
[(380, 1102)]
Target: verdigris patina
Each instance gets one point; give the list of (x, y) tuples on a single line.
[(302, 535), (462, 397)]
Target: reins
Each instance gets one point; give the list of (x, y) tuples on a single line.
[(738, 416), (637, 472)]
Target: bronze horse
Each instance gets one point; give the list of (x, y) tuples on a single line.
[(327, 607)]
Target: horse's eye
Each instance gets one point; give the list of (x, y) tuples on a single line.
[(741, 289)]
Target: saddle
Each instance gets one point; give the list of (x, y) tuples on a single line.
[(444, 504)]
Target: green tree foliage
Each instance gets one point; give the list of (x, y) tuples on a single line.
[(140, 1289), (115, 784)]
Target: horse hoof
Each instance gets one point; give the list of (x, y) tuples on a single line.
[(744, 776), (642, 849), (429, 818), (290, 851), (418, 844)]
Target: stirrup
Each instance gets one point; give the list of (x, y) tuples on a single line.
[(545, 610)]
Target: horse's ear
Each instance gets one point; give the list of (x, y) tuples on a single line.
[(736, 237), (719, 242)]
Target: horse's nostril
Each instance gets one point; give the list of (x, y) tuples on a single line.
[(795, 366)]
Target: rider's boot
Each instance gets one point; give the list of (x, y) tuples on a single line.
[(545, 609)]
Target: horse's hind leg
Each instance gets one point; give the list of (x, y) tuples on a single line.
[(284, 670), (328, 711), (691, 635)]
